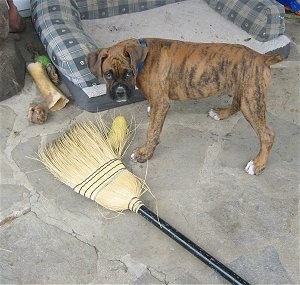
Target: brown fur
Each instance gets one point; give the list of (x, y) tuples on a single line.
[(177, 70)]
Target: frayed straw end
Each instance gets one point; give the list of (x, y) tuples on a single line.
[(83, 160)]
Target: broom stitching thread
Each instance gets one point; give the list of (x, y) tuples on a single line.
[(105, 182), (107, 179), (85, 181), (94, 175)]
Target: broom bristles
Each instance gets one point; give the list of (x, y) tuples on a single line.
[(82, 159)]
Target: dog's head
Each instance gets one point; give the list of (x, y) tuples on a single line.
[(118, 65)]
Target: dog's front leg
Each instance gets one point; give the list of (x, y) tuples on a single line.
[(158, 114)]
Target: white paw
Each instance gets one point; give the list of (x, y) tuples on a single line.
[(250, 169), (133, 157), (148, 110), (213, 115)]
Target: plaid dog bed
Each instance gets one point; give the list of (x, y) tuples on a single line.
[(58, 24), (263, 19)]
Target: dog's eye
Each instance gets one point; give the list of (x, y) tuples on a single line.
[(129, 74), (108, 75)]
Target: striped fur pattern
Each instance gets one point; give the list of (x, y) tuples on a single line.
[(177, 70)]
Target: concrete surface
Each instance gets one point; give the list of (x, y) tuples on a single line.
[(49, 234)]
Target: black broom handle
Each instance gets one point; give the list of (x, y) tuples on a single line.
[(197, 251)]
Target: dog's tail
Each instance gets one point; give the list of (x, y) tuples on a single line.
[(272, 59)]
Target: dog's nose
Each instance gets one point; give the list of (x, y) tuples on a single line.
[(121, 95)]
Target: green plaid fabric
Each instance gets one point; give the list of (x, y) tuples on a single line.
[(95, 9), (59, 27), (58, 24), (263, 19)]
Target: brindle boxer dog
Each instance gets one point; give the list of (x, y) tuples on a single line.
[(167, 70)]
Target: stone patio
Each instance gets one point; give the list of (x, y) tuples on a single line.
[(49, 234)]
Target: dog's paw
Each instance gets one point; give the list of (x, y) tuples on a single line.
[(140, 155), (254, 167), (250, 168), (137, 158), (212, 113), (133, 157)]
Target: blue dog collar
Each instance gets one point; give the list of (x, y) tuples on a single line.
[(141, 64)]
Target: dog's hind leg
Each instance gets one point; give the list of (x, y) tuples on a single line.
[(226, 112), (253, 108)]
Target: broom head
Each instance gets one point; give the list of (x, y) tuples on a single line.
[(82, 159)]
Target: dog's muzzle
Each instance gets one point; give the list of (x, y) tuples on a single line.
[(120, 93)]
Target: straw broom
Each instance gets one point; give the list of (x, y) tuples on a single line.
[(83, 159)]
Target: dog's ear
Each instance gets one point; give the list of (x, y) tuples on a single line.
[(136, 54), (94, 61)]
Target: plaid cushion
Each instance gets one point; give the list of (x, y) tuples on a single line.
[(263, 19), (58, 24), (59, 27), (96, 9)]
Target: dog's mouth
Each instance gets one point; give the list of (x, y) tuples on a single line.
[(120, 93)]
